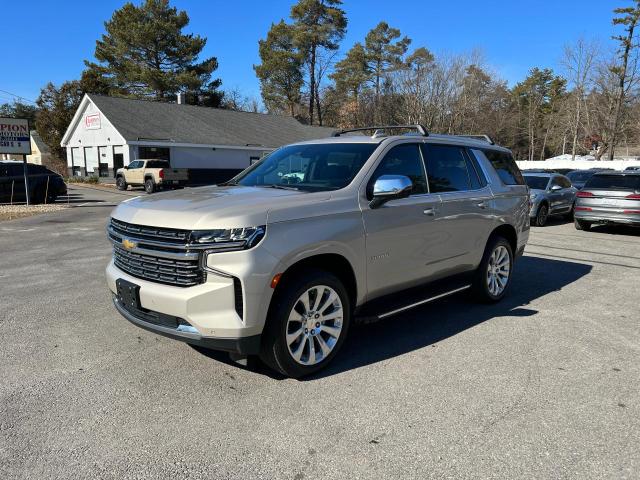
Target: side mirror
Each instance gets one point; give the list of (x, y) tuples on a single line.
[(390, 187), (555, 188), (126, 167)]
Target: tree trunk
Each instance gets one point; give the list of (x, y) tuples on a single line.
[(623, 77), (312, 83), (318, 106)]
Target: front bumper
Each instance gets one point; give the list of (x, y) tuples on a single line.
[(243, 345)]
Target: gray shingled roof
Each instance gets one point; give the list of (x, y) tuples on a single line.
[(147, 120)]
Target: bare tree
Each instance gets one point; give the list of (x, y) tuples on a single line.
[(578, 61)]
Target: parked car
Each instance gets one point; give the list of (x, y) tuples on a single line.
[(609, 197), (375, 226), (550, 194), (44, 185), (152, 174), (633, 168), (579, 177)]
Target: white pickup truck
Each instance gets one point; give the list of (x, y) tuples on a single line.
[(152, 174)]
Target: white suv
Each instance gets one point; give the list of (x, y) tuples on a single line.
[(280, 260)]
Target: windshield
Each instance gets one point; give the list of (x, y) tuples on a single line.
[(536, 183), (581, 176), (312, 167), (614, 182)]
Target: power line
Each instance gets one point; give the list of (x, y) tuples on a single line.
[(19, 97)]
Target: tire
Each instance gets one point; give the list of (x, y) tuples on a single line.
[(542, 216), (149, 186), (569, 215), (278, 352), (484, 289), (581, 224), (121, 183)]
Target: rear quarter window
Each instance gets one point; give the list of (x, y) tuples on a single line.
[(505, 166)]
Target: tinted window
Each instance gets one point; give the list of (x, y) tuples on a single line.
[(136, 164), (158, 164), (580, 176), (505, 166), (614, 182), (565, 182), (536, 183), (402, 160), (447, 169), (313, 167)]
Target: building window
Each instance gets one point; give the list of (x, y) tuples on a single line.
[(157, 153)]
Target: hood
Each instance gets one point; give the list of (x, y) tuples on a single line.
[(211, 207), (536, 191)]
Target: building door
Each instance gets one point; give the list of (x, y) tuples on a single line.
[(118, 159), (90, 160), (103, 165)]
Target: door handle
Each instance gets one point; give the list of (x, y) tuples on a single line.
[(429, 211), (481, 205)]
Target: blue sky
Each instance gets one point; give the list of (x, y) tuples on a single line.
[(48, 40)]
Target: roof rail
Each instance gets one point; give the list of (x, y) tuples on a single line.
[(486, 138), (379, 129)]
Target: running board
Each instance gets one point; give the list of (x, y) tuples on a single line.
[(403, 301), (422, 302)]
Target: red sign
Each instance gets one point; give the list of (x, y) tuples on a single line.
[(92, 122)]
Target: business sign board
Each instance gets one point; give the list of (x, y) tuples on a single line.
[(92, 122), (14, 136)]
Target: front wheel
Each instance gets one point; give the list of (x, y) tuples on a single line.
[(307, 323), (542, 216), (121, 183), (149, 186), (493, 276)]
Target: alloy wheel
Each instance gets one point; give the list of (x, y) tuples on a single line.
[(314, 325), (498, 270)]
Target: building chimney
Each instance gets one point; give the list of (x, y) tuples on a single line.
[(181, 98)]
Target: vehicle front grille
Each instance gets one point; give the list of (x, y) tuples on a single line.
[(160, 255), (182, 273), (172, 235)]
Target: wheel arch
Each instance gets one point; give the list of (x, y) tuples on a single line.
[(509, 233), (333, 263)]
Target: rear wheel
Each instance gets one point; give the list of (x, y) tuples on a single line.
[(307, 324), (121, 183), (581, 224), (149, 186), (542, 216), (493, 276)]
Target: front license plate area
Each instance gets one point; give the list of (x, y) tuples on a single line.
[(128, 294)]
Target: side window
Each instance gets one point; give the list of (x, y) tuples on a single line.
[(134, 165), (448, 169), (402, 160), (556, 181), (505, 166), (565, 182)]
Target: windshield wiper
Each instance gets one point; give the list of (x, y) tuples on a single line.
[(227, 184), (279, 187)]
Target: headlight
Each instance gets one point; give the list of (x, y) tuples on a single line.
[(228, 239)]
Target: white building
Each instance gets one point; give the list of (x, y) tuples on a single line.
[(107, 133)]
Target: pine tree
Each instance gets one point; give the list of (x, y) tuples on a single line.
[(384, 53), (145, 54), (318, 25), (280, 72)]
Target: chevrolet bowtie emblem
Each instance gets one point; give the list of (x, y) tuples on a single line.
[(128, 244)]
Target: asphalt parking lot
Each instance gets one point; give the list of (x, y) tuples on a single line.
[(545, 384)]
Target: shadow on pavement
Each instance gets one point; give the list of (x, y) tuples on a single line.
[(367, 344)]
